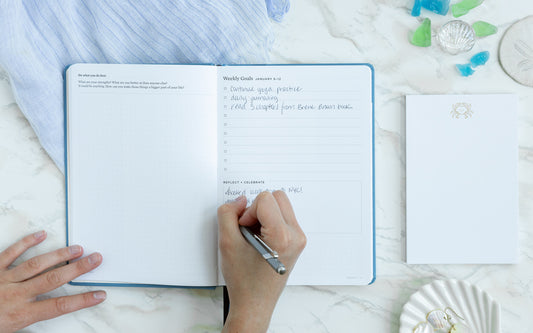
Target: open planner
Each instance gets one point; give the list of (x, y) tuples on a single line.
[(153, 150)]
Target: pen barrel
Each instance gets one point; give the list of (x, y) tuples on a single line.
[(277, 266), (264, 250)]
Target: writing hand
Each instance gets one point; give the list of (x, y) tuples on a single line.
[(253, 286), (20, 286)]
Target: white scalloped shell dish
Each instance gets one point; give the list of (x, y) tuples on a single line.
[(474, 307)]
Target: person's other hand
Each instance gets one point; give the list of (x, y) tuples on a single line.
[(20, 286), (253, 286)]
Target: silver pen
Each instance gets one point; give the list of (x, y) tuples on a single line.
[(264, 250)]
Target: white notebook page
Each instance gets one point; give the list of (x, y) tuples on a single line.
[(142, 171), (308, 131)]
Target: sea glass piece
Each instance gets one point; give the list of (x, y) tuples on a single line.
[(440, 7), (465, 70), (422, 35), (416, 8), (437, 6), (456, 37), (482, 28), (463, 7), (479, 59)]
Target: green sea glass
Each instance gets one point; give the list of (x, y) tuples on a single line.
[(463, 7), (422, 35), (482, 29)]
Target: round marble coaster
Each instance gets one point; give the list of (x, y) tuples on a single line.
[(516, 51)]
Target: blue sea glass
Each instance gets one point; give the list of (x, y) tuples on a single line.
[(416, 8), (440, 7), (479, 59), (465, 70)]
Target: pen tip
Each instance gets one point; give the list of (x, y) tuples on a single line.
[(281, 270)]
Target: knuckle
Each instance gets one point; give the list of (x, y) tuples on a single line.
[(62, 305), (88, 299), (279, 194), (263, 196), (53, 278), (64, 253), (82, 266), (26, 242), (302, 241), (13, 294), (11, 252), (284, 241), (224, 210), (34, 264), (17, 318)]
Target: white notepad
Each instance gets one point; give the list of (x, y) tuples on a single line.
[(461, 179), (154, 149)]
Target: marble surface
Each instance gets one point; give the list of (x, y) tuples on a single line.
[(32, 188)]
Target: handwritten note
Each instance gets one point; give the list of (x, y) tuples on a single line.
[(307, 131), (271, 95), (302, 133)]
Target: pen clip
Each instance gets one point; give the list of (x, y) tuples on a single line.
[(273, 253)]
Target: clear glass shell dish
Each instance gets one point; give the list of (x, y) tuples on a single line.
[(456, 36)]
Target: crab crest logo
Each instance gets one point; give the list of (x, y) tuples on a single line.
[(462, 111)]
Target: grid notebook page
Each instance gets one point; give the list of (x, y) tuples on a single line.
[(142, 171), (306, 130)]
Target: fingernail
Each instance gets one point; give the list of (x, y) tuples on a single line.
[(240, 198), (94, 258), (100, 295), (39, 234), (74, 249)]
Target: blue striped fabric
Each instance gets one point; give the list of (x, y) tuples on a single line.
[(39, 38)]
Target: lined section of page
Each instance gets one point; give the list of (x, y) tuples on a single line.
[(306, 130), (142, 171)]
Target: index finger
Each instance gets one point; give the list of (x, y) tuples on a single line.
[(286, 208), (9, 255), (266, 211)]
